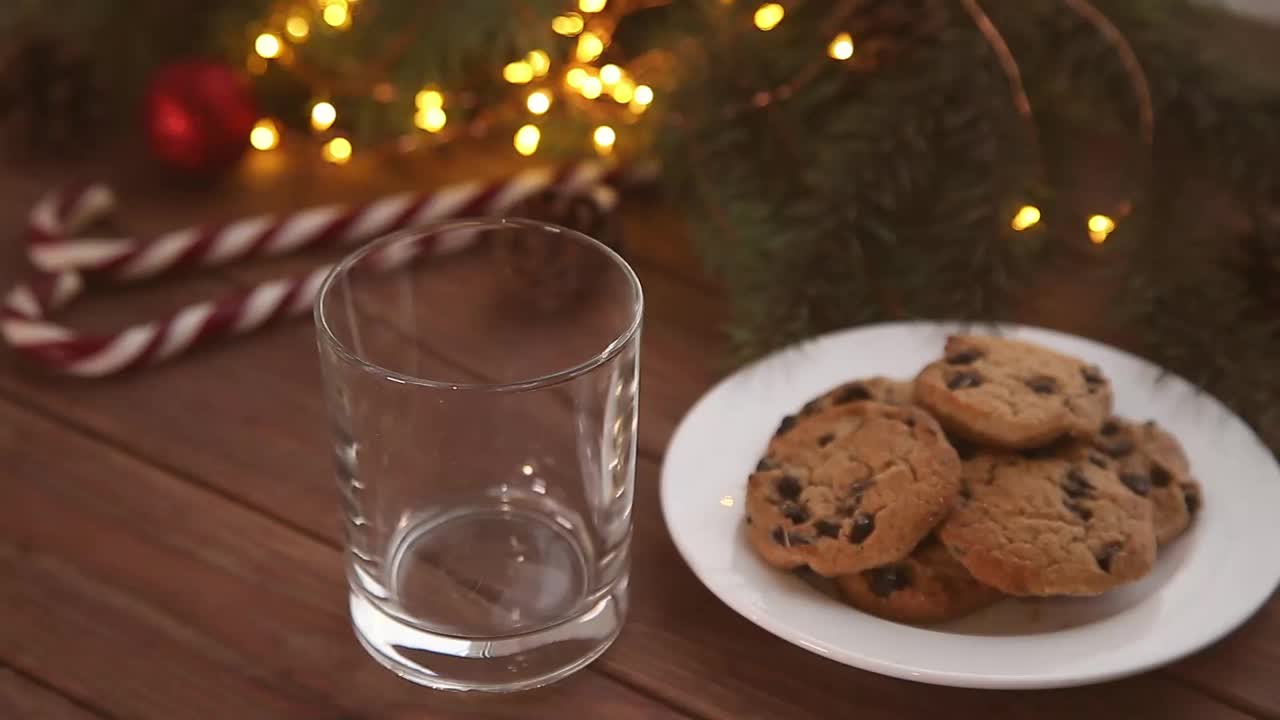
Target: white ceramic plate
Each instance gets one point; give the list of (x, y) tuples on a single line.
[(1204, 585)]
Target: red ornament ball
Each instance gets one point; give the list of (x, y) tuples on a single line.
[(198, 116)]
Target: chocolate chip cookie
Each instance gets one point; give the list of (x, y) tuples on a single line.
[(928, 586), (1151, 463), (854, 486), (1008, 393), (1054, 521)]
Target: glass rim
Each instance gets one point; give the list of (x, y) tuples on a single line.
[(343, 267)]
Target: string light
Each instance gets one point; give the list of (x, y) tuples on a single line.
[(538, 102), (769, 15), (610, 75), (540, 61), (567, 25), (592, 87), (624, 91), (604, 137), (323, 114), (591, 6), (1100, 226), (526, 140), (267, 45), (841, 47), (297, 27), (518, 72), (643, 95), (264, 135), (1026, 217), (336, 14), (636, 107), (337, 151), (428, 99), (576, 77), (431, 119), (589, 47)]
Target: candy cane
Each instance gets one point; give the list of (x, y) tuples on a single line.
[(63, 260)]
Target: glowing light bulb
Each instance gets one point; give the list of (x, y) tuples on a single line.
[(526, 140), (841, 47), (428, 99), (518, 72), (336, 14), (592, 87), (589, 47), (575, 78), (610, 75), (769, 15), (624, 91), (644, 95), (264, 135), (267, 45), (604, 137), (540, 61), (297, 27), (538, 102), (591, 6), (337, 151), (1026, 217), (431, 119), (323, 114), (567, 25), (1100, 226)]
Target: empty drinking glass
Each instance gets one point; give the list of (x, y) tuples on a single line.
[(483, 409)]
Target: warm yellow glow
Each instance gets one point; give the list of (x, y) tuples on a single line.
[(428, 99), (644, 94), (297, 27), (255, 65), (526, 140), (591, 6), (624, 91), (637, 107), (518, 72), (431, 119), (575, 78), (538, 102), (841, 47), (1100, 226), (567, 25), (335, 14), (589, 47), (540, 61), (1027, 216), (610, 75), (592, 87), (322, 115), (604, 137), (726, 500), (769, 15), (337, 151), (267, 45), (264, 134)]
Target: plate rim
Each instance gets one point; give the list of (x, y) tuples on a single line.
[(890, 668)]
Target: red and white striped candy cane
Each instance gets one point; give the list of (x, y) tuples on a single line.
[(63, 260)]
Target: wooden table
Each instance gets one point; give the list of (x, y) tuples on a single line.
[(169, 540)]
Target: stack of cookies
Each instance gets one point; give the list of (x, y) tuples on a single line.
[(999, 471)]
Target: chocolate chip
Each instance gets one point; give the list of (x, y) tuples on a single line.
[(1092, 375), (1076, 485), (748, 519), (825, 440), (811, 407), (788, 487), (1192, 498), (1081, 511), (787, 423), (1110, 428), (863, 526), (909, 422), (1160, 477), (1044, 452), (1119, 448), (826, 528), (779, 535), (1138, 483), (965, 449), (1098, 460), (795, 512), (765, 465), (850, 393), (1042, 385), (964, 357), (885, 581), (963, 380), (1106, 554), (965, 493), (796, 539)]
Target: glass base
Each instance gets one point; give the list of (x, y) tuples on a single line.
[(489, 664)]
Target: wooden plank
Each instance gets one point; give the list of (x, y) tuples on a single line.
[(22, 699), (212, 605)]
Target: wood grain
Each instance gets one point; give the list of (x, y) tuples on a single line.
[(20, 697)]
